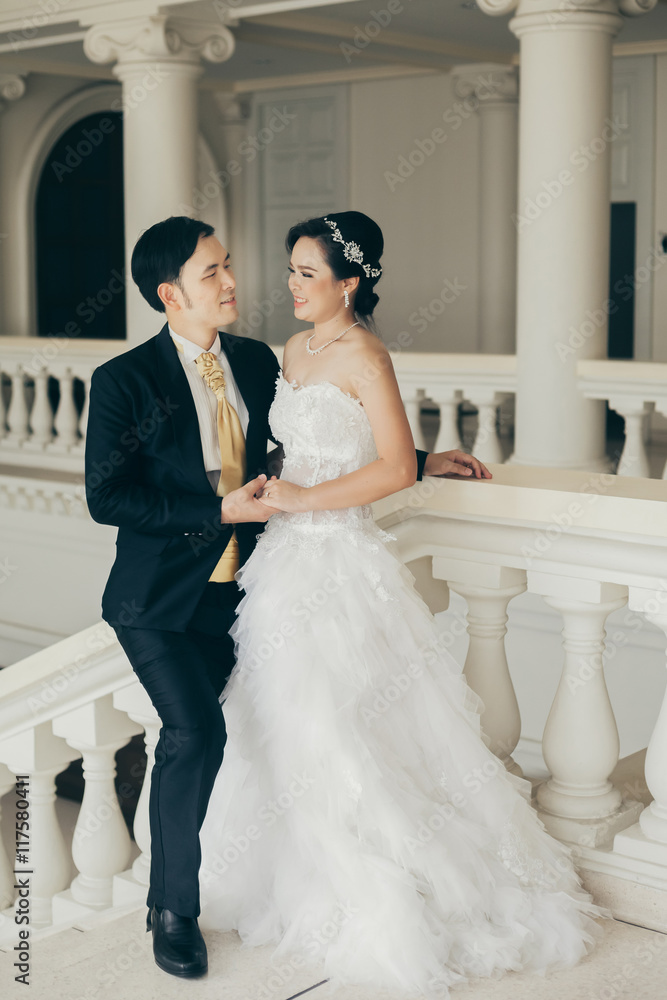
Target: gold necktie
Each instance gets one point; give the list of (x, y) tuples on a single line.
[(232, 455)]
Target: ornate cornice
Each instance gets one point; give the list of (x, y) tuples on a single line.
[(159, 38), (12, 87), (489, 83)]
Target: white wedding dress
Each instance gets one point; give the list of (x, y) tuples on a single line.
[(358, 820)]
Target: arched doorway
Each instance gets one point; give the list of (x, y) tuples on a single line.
[(79, 232)]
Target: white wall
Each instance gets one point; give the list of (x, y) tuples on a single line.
[(54, 567), (429, 219)]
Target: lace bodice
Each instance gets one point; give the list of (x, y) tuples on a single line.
[(326, 434)]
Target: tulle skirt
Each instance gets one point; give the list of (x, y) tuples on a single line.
[(359, 820)]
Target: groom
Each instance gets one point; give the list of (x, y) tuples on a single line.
[(176, 451)]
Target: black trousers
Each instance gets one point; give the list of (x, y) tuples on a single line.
[(184, 674)]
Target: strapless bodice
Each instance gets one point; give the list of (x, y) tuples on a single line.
[(325, 433)]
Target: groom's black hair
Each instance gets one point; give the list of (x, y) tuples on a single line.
[(161, 252)]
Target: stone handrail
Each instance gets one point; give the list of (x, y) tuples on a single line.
[(588, 543)]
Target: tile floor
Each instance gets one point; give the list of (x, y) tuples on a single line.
[(113, 961)]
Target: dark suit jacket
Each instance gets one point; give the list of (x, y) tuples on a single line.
[(145, 474)]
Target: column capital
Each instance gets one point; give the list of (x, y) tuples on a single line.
[(557, 11), (12, 87), (158, 38), (489, 83)]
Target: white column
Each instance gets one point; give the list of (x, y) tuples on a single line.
[(101, 845), (41, 415), (634, 460), (449, 400), (487, 447), (158, 61), (12, 87), (17, 414), (579, 803), (7, 892), (412, 401), (563, 220), (488, 590), (66, 420), (130, 886), (41, 755), (647, 839), (495, 89)]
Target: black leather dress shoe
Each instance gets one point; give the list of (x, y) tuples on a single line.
[(178, 945)]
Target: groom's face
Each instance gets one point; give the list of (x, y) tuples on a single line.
[(206, 291)]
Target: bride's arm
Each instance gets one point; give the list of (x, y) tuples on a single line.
[(394, 469)]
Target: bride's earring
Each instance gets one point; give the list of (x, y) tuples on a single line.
[(347, 298)]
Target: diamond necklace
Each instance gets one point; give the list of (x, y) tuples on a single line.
[(318, 349)]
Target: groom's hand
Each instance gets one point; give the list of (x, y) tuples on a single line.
[(242, 505), (455, 463)]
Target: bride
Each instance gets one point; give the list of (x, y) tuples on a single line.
[(374, 835)]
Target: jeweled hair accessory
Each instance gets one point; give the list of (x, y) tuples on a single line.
[(353, 252)]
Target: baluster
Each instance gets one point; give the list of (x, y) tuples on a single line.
[(83, 419), (412, 401), (448, 433), (67, 419), (41, 417), (633, 460), (487, 443), (135, 701), (487, 591), (3, 408), (17, 415), (647, 840), (41, 755), (580, 746), (101, 845), (7, 783)]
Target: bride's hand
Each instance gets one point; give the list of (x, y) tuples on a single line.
[(282, 495)]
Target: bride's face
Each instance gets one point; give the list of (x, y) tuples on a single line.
[(317, 294)]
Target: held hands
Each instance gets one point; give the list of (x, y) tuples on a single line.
[(455, 463), (242, 505), (280, 494)]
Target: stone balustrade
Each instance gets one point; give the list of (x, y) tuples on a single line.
[(632, 389), (36, 371), (44, 386), (587, 543)]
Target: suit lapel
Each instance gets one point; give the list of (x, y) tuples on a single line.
[(184, 418)]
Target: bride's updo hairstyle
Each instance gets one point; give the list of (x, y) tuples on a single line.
[(352, 245)]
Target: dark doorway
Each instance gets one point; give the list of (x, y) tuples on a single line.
[(80, 233), (621, 342), (621, 338)]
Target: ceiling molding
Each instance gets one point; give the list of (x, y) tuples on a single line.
[(286, 40), (655, 47), (22, 45), (359, 74), (17, 13), (26, 63), (345, 31)]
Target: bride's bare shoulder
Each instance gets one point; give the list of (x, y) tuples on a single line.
[(294, 344), (367, 348)]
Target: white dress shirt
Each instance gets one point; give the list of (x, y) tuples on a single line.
[(206, 403)]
